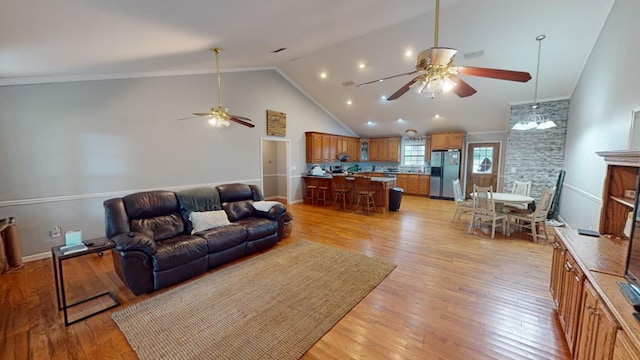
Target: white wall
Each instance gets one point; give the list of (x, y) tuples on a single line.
[(67, 147), (600, 113)]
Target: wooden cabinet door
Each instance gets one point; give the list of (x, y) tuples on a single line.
[(439, 141), (374, 150), (383, 150), (353, 149), (393, 145), (316, 148), (413, 185), (570, 299), (401, 181), (623, 348), (427, 149), (333, 148), (596, 337), (455, 140), (557, 268), (423, 186)]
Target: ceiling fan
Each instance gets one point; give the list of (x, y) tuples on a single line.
[(219, 116), (437, 74)]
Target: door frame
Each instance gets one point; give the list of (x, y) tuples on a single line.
[(469, 162), (287, 161)]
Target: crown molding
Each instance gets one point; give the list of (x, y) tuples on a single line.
[(48, 79)]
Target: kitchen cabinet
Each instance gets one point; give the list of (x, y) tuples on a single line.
[(427, 149), (414, 184), (557, 269), (322, 147), (597, 328), (622, 175), (623, 348), (447, 141), (384, 149)]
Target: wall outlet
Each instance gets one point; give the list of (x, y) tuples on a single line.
[(55, 232)]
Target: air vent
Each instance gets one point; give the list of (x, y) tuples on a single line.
[(347, 83), (279, 50), (473, 54)]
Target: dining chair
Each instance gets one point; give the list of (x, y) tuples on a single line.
[(342, 192), (363, 190), (533, 220), (519, 188), (484, 210), (462, 205)]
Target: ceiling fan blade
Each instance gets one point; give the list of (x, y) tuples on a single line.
[(462, 89), (403, 89), (520, 76), (239, 120), (189, 118), (241, 117), (202, 114), (387, 78)]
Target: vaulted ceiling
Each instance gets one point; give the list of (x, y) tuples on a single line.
[(44, 41)]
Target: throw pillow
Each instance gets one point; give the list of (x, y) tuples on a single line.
[(206, 220)]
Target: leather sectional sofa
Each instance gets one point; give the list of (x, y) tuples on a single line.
[(165, 237)]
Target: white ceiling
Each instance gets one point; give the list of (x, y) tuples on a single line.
[(43, 40)]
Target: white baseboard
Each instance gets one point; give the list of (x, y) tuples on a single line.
[(34, 257)]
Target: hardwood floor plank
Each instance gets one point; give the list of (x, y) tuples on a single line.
[(453, 295)]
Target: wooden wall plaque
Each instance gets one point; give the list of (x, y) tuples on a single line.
[(276, 123)]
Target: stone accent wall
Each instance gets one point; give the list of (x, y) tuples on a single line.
[(536, 155)]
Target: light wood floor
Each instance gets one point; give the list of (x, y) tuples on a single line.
[(452, 296)]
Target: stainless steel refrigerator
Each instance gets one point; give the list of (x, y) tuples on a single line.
[(445, 167)]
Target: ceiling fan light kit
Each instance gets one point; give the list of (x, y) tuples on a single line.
[(534, 119)]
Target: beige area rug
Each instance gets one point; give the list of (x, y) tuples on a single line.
[(272, 306)]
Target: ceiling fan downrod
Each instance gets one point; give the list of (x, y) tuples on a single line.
[(217, 52), (437, 22)]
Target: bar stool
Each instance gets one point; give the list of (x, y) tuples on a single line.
[(312, 186), (363, 184), (323, 188), (342, 192)]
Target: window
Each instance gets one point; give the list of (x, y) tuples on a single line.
[(413, 155), (482, 163)]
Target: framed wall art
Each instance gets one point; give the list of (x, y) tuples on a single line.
[(276, 123)]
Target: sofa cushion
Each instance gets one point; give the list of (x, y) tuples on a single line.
[(225, 237), (150, 204), (238, 210), (258, 228), (177, 251), (206, 220), (160, 227), (198, 199)]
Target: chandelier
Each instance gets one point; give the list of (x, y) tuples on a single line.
[(534, 119)]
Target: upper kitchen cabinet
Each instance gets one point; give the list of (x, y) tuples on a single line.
[(447, 141), (327, 147), (384, 149)]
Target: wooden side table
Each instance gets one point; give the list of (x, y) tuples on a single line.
[(100, 245)]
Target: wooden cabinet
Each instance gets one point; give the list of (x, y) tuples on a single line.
[(622, 175), (447, 141), (623, 349), (413, 184), (597, 328), (557, 270), (427, 149), (322, 147), (393, 149), (570, 296), (384, 149)]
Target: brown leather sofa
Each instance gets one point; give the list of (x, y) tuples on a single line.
[(155, 247)]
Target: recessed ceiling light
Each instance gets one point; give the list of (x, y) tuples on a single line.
[(323, 75), (349, 102), (369, 122), (400, 119), (383, 97), (436, 116), (408, 53), (361, 65)]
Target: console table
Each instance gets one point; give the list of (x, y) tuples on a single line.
[(102, 244)]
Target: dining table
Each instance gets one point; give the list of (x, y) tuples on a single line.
[(499, 197)]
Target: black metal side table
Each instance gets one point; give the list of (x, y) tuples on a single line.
[(100, 245)]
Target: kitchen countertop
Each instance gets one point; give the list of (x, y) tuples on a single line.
[(330, 176)]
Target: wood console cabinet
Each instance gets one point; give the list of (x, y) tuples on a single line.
[(622, 175), (447, 141)]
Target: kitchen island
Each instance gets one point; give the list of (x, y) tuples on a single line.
[(379, 184)]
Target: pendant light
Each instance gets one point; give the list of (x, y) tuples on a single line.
[(535, 120)]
